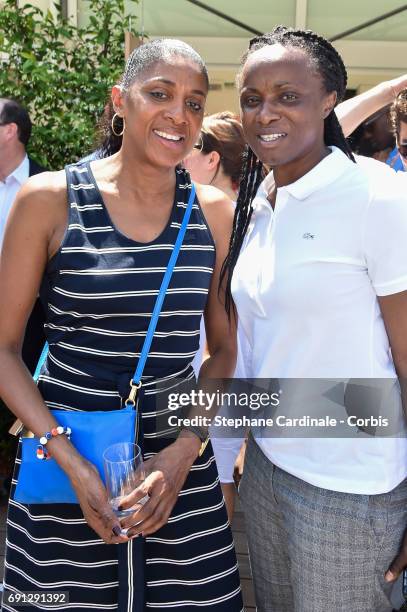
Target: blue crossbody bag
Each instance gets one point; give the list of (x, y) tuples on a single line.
[(45, 482)]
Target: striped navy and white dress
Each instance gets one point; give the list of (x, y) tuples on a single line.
[(99, 291)]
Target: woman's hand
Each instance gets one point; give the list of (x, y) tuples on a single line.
[(397, 85), (393, 309), (239, 464), (353, 111), (399, 563), (165, 476), (93, 500)]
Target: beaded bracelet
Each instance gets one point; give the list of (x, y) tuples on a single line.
[(42, 452)]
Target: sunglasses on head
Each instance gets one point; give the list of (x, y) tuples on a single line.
[(402, 148)]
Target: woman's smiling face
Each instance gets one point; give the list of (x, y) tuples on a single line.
[(283, 105), (163, 110)]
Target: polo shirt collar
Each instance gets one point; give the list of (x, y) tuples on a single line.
[(324, 173), (20, 174)]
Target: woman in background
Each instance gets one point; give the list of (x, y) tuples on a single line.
[(217, 157), (217, 160)]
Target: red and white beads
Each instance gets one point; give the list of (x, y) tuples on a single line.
[(42, 452)]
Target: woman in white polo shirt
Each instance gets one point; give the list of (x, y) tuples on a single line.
[(317, 268)]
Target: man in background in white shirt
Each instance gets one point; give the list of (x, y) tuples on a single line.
[(15, 168), (15, 165)]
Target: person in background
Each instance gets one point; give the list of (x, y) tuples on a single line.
[(352, 112), (374, 138), (217, 160), (218, 156), (15, 165), (398, 114), (15, 168)]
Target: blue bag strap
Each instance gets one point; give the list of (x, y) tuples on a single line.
[(135, 382), (163, 289), (41, 361)]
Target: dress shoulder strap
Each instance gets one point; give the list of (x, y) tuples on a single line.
[(86, 211)]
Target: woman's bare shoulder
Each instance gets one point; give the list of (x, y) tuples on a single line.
[(218, 210), (211, 197), (45, 185), (40, 209), (42, 197)]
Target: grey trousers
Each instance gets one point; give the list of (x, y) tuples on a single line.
[(315, 550)]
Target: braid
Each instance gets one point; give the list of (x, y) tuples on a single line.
[(329, 65), (333, 135), (250, 180)]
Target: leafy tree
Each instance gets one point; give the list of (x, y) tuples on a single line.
[(61, 73)]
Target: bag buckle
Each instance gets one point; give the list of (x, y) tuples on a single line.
[(16, 428), (131, 400)]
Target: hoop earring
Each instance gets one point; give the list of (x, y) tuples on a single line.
[(112, 124), (199, 145)]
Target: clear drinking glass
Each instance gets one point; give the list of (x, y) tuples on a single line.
[(124, 471)]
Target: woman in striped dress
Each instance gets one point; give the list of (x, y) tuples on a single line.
[(99, 262)]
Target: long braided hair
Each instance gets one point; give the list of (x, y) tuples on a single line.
[(329, 65)]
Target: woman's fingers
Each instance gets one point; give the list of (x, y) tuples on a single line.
[(122, 539), (113, 529), (153, 522), (136, 496), (96, 509), (141, 514), (104, 522), (109, 534), (167, 472), (399, 563)]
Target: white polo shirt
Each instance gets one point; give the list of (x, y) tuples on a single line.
[(306, 286)]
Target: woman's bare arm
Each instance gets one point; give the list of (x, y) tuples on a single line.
[(394, 312), (33, 225), (220, 331), (351, 113), (34, 231)]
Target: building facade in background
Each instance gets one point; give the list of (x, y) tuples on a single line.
[(372, 54)]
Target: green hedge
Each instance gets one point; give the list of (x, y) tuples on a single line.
[(61, 73)]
